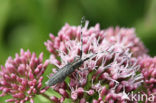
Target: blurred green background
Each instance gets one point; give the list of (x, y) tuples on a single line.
[(27, 23)]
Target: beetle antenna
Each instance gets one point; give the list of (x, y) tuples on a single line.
[(81, 36)]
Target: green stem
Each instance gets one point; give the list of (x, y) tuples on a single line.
[(46, 96)]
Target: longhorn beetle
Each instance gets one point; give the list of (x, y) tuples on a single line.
[(70, 67)]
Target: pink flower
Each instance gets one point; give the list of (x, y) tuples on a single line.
[(148, 65), (127, 38), (22, 77), (106, 77)]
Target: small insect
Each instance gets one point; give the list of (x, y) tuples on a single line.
[(70, 67)]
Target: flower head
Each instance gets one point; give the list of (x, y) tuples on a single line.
[(106, 77), (126, 38), (21, 77), (148, 65)]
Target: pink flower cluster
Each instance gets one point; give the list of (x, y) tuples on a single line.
[(148, 65), (21, 77), (109, 76), (126, 38), (119, 66)]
